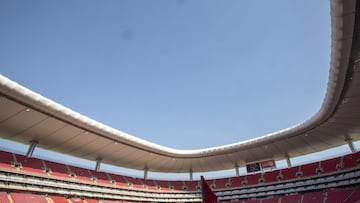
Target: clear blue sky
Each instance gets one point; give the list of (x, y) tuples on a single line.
[(180, 73)]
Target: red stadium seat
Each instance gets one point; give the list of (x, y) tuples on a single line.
[(310, 169), (337, 195), (81, 173), (28, 198), (238, 181), (330, 165), (58, 199), (354, 196), (350, 161), (313, 197), (120, 180), (4, 198), (58, 170), (194, 185), (150, 184), (31, 165), (6, 160), (101, 177), (134, 182), (177, 185), (77, 200), (252, 201), (253, 179), (270, 200), (91, 201), (296, 198), (222, 183), (271, 176), (164, 184), (289, 173)]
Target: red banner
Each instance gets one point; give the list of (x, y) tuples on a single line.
[(208, 196), (268, 164)]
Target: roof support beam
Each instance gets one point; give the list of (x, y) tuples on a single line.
[(350, 143), (191, 174), (146, 171), (98, 163), (31, 148), (288, 161), (237, 170)]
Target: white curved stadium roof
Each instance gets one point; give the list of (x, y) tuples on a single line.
[(27, 116)]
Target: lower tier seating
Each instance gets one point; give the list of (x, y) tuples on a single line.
[(28, 198), (4, 197)]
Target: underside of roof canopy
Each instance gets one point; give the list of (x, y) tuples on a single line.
[(28, 117)]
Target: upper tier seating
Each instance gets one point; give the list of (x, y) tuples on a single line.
[(253, 179), (57, 170), (6, 160), (330, 165), (134, 182), (237, 181), (222, 183), (177, 185), (150, 184), (81, 173), (31, 165), (163, 184), (350, 160), (271, 176), (120, 180), (101, 177), (311, 169), (194, 185), (290, 173)]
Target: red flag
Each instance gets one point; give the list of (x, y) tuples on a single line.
[(208, 196)]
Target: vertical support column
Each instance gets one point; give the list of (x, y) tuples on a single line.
[(191, 174), (146, 170), (288, 161), (98, 163), (237, 170), (31, 148), (349, 141)]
